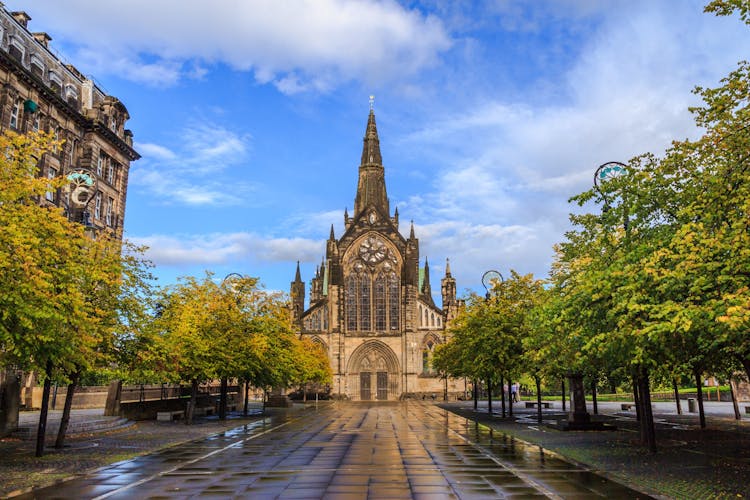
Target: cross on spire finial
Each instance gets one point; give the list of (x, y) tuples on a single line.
[(372, 102)]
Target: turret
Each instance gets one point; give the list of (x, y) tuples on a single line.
[(297, 291), (448, 292)]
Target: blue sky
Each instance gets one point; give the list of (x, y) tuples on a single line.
[(249, 116)]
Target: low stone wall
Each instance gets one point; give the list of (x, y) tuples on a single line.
[(83, 398)]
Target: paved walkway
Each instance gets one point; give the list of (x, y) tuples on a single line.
[(400, 450)]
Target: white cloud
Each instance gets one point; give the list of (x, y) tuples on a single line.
[(224, 248), (195, 174), (296, 45)]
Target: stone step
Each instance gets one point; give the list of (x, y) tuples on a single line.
[(75, 427)]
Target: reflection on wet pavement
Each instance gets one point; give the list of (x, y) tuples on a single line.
[(398, 450)]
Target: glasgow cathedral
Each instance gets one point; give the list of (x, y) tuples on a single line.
[(371, 304)]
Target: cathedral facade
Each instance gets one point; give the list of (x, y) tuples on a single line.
[(371, 304)]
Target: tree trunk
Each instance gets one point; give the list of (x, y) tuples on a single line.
[(563, 394), (304, 393), (746, 365), (699, 387), (223, 399), (247, 394), (637, 400), (734, 401), (538, 399), (42, 428), (677, 396), (647, 415), (489, 397), (593, 397), (192, 402), (475, 390), (502, 396), (265, 397), (510, 398), (60, 441)]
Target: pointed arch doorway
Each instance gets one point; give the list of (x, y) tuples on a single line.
[(373, 372)]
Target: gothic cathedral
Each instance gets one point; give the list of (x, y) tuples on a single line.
[(371, 305)]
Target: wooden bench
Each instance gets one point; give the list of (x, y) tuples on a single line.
[(626, 406), (168, 416), (532, 404)]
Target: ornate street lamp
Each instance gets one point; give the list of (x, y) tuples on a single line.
[(490, 280), (606, 172)]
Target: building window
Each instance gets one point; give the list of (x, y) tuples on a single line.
[(35, 123), (380, 297), (364, 303), (98, 206), (56, 144), (51, 174), (15, 113), (394, 301), (16, 52), (108, 212), (111, 171), (55, 82), (99, 165), (37, 66), (351, 303), (113, 124), (427, 352)]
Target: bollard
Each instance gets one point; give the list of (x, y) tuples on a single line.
[(691, 405)]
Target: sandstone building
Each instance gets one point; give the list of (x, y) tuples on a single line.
[(371, 304), (41, 92)]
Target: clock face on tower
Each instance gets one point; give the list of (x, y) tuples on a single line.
[(372, 250)]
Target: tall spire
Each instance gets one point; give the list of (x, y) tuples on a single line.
[(447, 267), (297, 276), (426, 288), (371, 148), (371, 185)]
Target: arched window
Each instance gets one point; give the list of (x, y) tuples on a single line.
[(394, 301), (379, 298), (433, 320), (427, 357), (351, 303), (364, 303)]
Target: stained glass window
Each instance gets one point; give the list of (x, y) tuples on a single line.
[(394, 301), (364, 302), (379, 297), (351, 303)]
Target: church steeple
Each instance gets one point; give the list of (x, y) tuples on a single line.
[(371, 186), (297, 291)]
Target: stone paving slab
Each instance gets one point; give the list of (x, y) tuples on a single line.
[(409, 450)]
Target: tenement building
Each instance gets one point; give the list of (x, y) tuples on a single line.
[(40, 92), (371, 304)]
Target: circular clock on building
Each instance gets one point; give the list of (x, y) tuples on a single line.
[(372, 250)]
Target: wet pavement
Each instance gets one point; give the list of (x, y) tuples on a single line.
[(347, 450)]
